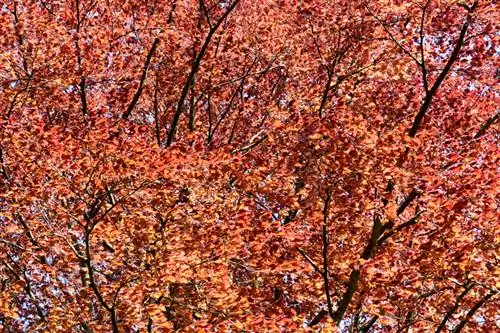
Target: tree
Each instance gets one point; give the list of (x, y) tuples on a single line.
[(249, 166)]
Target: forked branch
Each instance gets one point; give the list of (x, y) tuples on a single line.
[(432, 92), (324, 272), (194, 69)]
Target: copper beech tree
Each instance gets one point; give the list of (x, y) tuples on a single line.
[(249, 166)]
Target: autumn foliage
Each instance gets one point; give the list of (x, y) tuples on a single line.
[(249, 166)]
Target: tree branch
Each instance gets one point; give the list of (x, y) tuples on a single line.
[(309, 260), (83, 95), (27, 286), (372, 243), (430, 94), (326, 277), (231, 102), (366, 327), (391, 36), (484, 127), (413, 194), (318, 318), (3, 168), (192, 73), (352, 285), (156, 110), (27, 229), (472, 311), (454, 308), (250, 145), (400, 227), (422, 55), (92, 219), (142, 82)]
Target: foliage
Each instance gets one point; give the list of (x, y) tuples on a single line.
[(240, 166)]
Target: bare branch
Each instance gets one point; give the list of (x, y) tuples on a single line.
[(366, 327), (318, 318), (352, 286), (400, 227), (27, 229), (83, 95), (204, 10), (422, 51)]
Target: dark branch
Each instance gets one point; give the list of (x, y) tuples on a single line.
[(172, 11), (83, 95), (454, 308), (352, 285), (347, 297), (310, 261), (250, 145), (366, 327), (150, 325), (90, 269), (91, 217), (142, 83), (484, 127), (413, 194), (3, 168), (192, 73), (85, 327), (192, 107), (27, 229), (326, 277), (430, 94), (156, 110), (472, 311), (28, 289), (318, 318), (372, 243), (204, 11), (325, 271), (422, 55), (400, 227), (391, 36), (27, 285), (231, 102)]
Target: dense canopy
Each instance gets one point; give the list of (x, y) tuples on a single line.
[(249, 166)]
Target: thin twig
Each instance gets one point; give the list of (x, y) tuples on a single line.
[(422, 51), (484, 127), (391, 36), (250, 145), (309, 260)]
